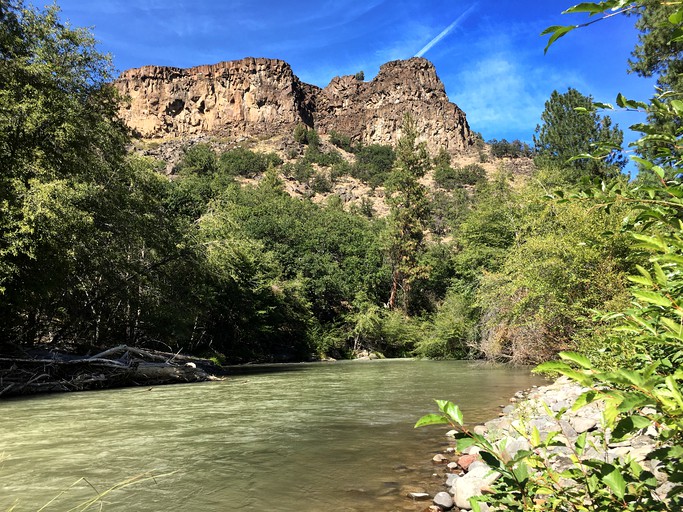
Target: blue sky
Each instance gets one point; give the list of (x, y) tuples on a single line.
[(491, 61)]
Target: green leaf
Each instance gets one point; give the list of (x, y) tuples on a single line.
[(442, 404), (674, 389), (606, 106), (645, 281), (614, 480), (491, 459), (535, 437), (676, 18), (581, 443), (677, 105), (552, 366), (659, 274), (431, 419), (577, 358), (589, 7), (454, 413), (521, 473), (557, 31), (629, 425), (464, 442), (652, 297), (584, 399), (645, 163), (621, 101)]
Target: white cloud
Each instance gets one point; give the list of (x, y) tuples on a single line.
[(503, 95)]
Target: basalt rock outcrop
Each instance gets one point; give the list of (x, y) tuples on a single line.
[(256, 97)]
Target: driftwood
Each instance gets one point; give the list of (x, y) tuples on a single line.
[(115, 367)]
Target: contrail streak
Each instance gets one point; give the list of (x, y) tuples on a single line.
[(445, 32)]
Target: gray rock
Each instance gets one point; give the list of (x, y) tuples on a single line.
[(440, 459), (451, 478), (482, 472), (512, 446), (443, 500), (480, 430), (464, 489), (583, 424)]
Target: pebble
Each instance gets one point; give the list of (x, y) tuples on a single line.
[(466, 460), (419, 496)]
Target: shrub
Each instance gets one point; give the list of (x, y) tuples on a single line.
[(243, 162), (341, 141), (198, 159), (373, 164), (340, 169), (449, 178), (305, 135), (313, 155), (515, 149), (300, 171), (451, 330), (320, 183)]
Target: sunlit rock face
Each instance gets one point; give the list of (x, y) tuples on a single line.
[(257, 97)]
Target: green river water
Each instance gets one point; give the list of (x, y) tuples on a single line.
[(302, 437)]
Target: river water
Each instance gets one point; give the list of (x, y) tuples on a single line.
[(302, 437)]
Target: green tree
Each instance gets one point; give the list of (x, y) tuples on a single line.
[(373, 164), (408, 214), (658, 52), (566, 133)]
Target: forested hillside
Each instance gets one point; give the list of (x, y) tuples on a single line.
[(100, 248)]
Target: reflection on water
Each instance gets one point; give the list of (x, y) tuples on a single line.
[(303, 437)]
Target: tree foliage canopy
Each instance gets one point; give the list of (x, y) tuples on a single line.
[(566, 132)]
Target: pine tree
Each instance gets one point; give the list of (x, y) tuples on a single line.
[(567, 132), (407, 199)]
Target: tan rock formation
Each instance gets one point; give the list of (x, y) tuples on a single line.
[(372, 112), (262, 98)]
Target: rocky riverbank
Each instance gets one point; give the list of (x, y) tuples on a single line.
[(464, 474)]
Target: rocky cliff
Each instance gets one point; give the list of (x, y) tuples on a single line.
[(262, 98)]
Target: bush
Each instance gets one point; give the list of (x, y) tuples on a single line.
[(515, 149), (373, 164), (341, 141), (305, 135), (243, 162), (449, 178), (313, 155), (198, 159), (320, 183), (273, 159), (388, 332), (300, 171), (340, 169), (451, 331)]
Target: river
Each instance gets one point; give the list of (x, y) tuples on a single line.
[(300, 437)]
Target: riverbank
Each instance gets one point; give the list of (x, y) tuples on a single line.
[(531, 418)]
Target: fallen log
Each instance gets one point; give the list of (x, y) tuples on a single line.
[(115, 367)]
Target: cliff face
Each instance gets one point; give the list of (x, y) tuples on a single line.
[(263, 97)]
